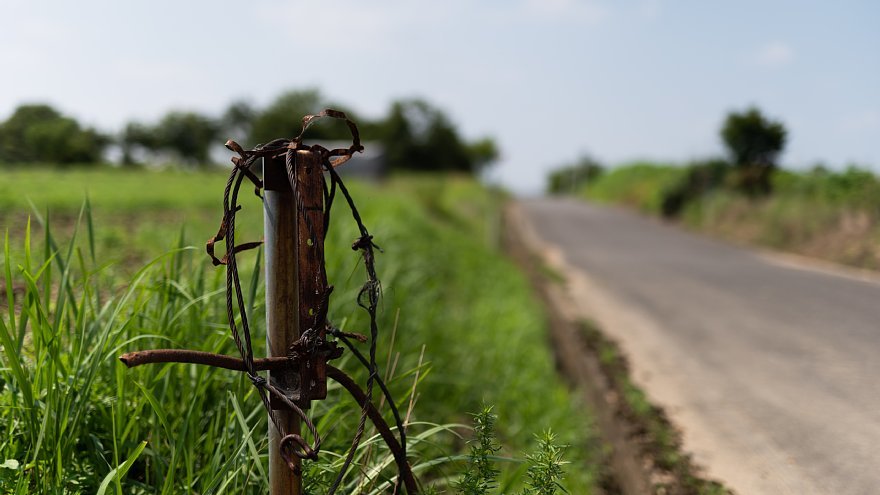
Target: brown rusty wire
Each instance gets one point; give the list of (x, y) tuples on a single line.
[(138, 358)]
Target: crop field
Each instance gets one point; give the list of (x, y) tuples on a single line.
[(99, 262)]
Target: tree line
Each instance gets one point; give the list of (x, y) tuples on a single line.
[(753, 144), (414, 134)]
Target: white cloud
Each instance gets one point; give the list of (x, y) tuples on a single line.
[(775, 54)]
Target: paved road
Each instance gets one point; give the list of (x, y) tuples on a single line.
[(772, 370)]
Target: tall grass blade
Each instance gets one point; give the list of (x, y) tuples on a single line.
[(255, 456), (119, 471), (10, 290), (13, 362), (157, 408), (91, 229)]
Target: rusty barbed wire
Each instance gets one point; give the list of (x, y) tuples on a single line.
[(313, 343), (311, 338)]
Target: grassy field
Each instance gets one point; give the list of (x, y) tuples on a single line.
[(460, 329)]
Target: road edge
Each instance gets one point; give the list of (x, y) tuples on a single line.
[(579, 347)]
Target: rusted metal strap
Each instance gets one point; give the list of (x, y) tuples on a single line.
[(341, 155), (221, 235)]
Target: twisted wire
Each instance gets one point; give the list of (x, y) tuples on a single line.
[(368, 296)]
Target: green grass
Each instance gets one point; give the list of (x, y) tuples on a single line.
[(139, 212), (119, 189), (456, 317)]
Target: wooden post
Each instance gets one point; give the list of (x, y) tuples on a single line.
[(296, 291)]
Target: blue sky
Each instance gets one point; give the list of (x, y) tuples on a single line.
[(548, 79)]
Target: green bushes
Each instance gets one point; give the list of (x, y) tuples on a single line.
[(698, 180), (571, 178), (640, 185)]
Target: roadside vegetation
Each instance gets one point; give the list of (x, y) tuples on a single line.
[(746, 197), (820, 213), (85, 281)]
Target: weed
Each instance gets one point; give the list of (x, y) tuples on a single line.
[(545, 467), (480, 476)]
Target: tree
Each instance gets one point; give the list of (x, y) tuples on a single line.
[(188, 135), (137, 137), (238, 119), (39, 133), (754, 143), (283, 118), (483, 152), (573, 177), (418, 136)]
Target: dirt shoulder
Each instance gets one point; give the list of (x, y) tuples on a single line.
[(645, 453)]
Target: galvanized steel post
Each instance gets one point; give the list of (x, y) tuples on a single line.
[(282, 303)]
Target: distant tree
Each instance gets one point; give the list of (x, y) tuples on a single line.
[(483, 152), (189, 135), (39, 133), (754, 143), (283, 118), (238, 119), (137, 137), (418, 136), (571, 178)]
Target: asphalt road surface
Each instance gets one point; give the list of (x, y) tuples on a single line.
[(770, 367)]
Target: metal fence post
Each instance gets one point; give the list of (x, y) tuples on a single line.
[(282, 321)]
